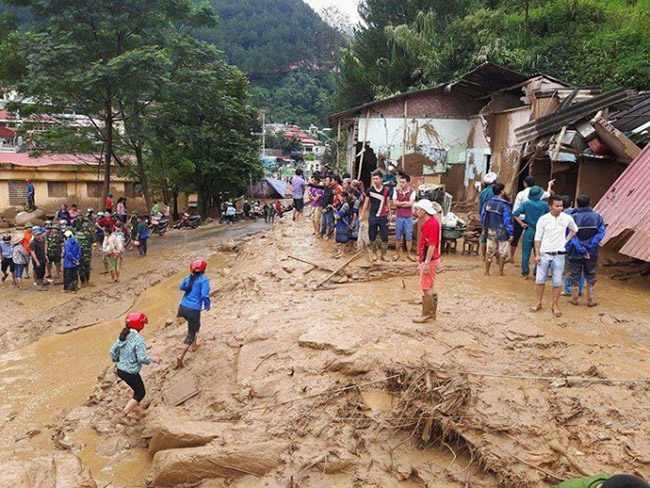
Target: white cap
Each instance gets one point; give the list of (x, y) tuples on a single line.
[(427, 206), (490, 178)]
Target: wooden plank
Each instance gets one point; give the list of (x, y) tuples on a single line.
[(184, 388), (363, 147), (553, 122), (406, 102), (339, 269)]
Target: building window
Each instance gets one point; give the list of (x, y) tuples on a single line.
[(94, 190), (17, 192), (57, 189)]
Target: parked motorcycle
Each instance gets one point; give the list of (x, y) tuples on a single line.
[(190, 221), (159, 226)]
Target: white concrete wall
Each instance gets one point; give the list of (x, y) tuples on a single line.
[(444, 141)]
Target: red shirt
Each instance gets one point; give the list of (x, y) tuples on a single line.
[(107, 222), (109, 202), (429, 236)]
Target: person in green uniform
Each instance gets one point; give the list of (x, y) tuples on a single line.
[(53, 246), (85, 239), (605, 481), (527, 215), (77, 223)]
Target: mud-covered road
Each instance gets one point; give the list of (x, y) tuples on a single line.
[(334, 387)]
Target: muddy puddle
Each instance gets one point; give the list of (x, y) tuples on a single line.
[(41, 382)]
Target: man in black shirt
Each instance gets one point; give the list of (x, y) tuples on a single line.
[(38, 257), (327, 221), (378, 202)]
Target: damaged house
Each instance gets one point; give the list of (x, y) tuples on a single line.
[(495, 119)]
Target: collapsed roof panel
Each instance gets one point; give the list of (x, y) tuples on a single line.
[(555, 121)]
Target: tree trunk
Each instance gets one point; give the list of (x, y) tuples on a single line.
[(175, 207), (108, 153), (143, 177)]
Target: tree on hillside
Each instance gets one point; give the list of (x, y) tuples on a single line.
[(202, 129), (419, 43), (95, 61)]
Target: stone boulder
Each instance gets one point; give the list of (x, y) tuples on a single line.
[(191, 465), (176, 434), (35, 218), (61, 470)]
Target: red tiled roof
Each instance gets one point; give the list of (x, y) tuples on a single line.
[(626, 209), (24, 159)]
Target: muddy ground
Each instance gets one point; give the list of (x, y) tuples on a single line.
[(332, 388)]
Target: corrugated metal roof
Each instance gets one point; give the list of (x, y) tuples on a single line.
[(483, 80), (635, 116), (24, 159), (626, 209)]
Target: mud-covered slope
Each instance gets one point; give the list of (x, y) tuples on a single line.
[(336, 387)]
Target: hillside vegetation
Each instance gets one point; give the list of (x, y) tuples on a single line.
[(283, 46), (419, 43)]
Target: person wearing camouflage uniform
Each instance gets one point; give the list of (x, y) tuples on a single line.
[(85, 239), (53, 246)]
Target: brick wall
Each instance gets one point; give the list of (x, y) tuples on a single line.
[(438, 104)]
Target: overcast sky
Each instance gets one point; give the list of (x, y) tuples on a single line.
[(347, 6)]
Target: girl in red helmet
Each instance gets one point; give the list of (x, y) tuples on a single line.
[(130, 353), (196, 298)]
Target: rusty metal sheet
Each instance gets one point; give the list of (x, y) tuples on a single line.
[(626, 209)]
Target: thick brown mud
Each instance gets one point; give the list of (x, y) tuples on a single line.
[(483, 397)]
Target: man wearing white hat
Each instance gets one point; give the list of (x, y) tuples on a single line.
[(428, 258)]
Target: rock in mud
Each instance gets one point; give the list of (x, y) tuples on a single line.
[(192, 465), (61, 470), (324, 337), (175, 434)]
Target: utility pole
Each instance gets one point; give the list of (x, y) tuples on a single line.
[(263, 132)]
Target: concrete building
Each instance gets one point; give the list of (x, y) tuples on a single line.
[(60, 179)]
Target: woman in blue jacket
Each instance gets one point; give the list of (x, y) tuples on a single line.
[(130, 353), (196, 298)]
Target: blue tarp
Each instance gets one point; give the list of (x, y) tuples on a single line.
[(268, 188)]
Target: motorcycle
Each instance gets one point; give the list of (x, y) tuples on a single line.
[(159, 225), (190, 221)]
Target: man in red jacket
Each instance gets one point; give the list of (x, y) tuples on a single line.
[(429, 258)]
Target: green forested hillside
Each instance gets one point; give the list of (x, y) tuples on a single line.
[(261, 36), (283, 46), (419, 43)]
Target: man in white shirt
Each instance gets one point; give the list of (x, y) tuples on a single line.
[(550, 250), (522, 197)]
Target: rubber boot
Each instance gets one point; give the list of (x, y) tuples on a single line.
[(427, 310), (384, 250), (488, 264), (434, 306), (409, 253), (574, 296), (502, 263), (591, 295)]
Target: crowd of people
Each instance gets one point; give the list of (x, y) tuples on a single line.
[(562, 239), (62, 247), (358, 218)]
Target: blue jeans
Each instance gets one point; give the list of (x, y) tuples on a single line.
[(556, 264), (327, 223), (403, 228), (567, 285)]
